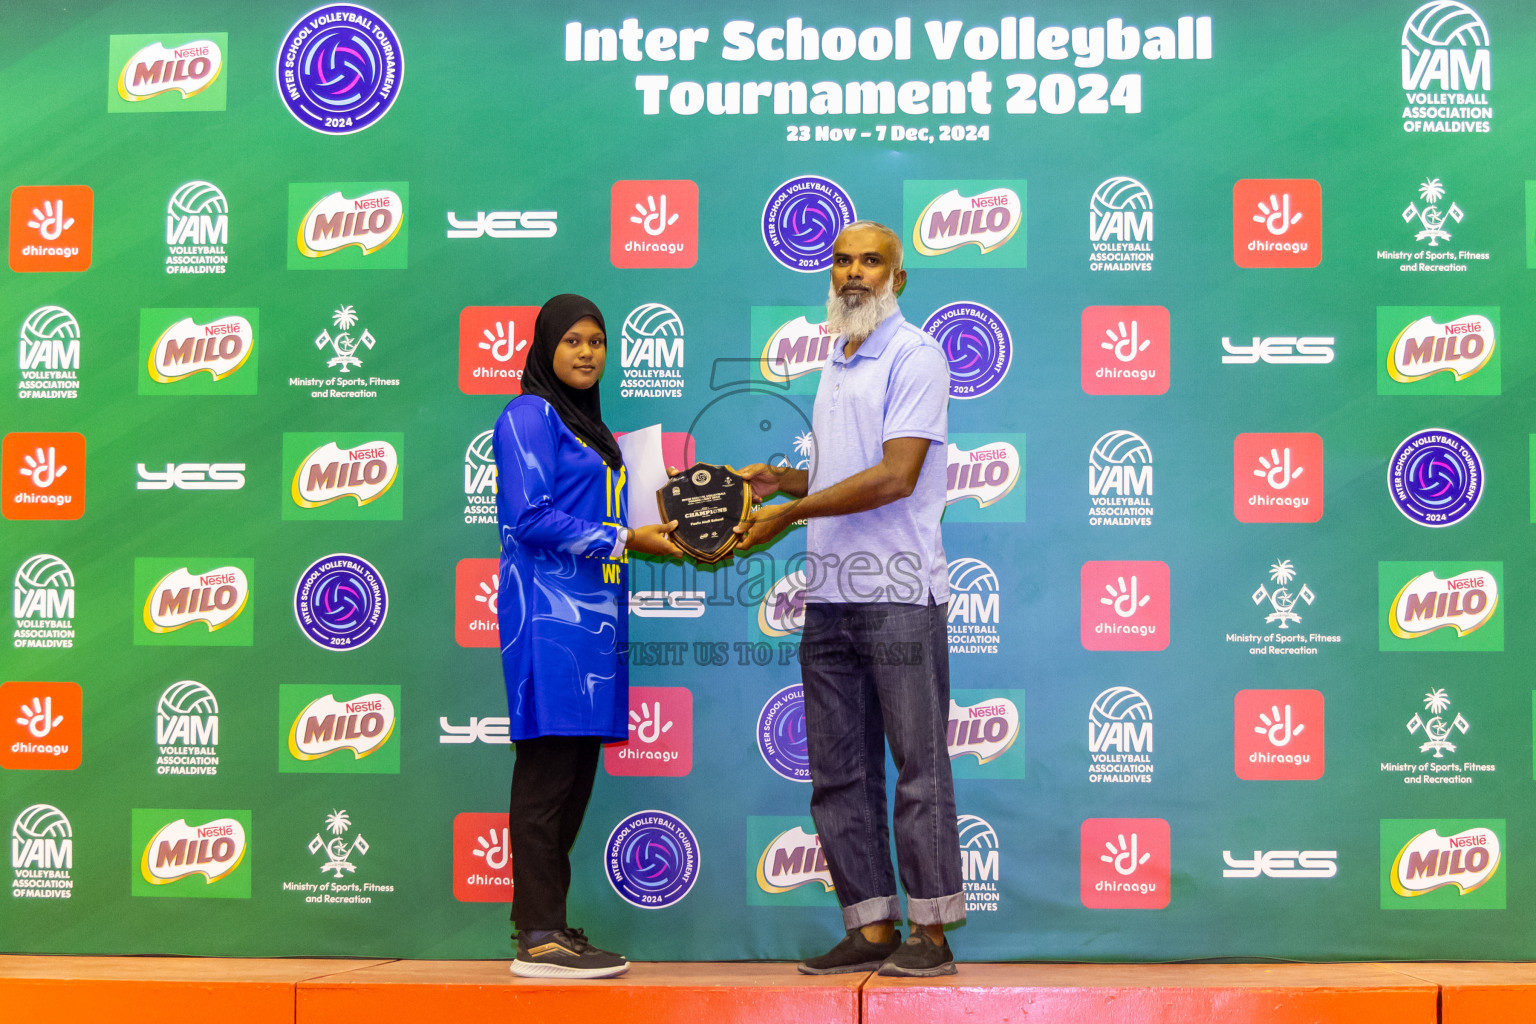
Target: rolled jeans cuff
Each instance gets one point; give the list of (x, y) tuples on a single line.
[(943, 910), (872, 911)]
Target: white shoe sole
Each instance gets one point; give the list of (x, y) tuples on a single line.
[(524, 969)]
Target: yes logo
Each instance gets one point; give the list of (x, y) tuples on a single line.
[(197, 351), (348, 225), (1277, 222), (1126, 350), (191, 853), (1278, 734), (321, 729), (343, 476), (1277, 478), (203, 607), (42, 476), (493, 348), (966, 223), (482, 858), (660, 734), (40, 726), (166, 73), (1124, 606), (1125, 864)]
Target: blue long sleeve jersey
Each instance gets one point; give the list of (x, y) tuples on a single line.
[(563, 600)]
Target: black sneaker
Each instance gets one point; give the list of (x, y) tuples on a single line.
[(566, 954), (919, 957), (854, 953)]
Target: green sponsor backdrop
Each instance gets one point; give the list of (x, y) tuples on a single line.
[(496, 127)]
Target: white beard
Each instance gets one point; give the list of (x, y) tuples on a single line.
[(856, 319)]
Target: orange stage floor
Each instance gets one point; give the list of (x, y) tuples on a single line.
[(152, 990)]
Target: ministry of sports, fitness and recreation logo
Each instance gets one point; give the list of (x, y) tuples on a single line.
[(339, 69), (167, 72), (651, 353), (965, 223), (43, 603), (192, 853), (197, 230), (652, 859), (340, 602), (318, 727), (197, 351), (1120, 480), (1447, 69), (1435, 477), (1120, 226), (781, 734), (1442, 865), (1438, 350), (1120, 737), (977, 344), (801, 220), (42, 854), (49, 355), (177, 598), (187, 730)]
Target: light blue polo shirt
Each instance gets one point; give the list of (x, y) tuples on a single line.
[(896, 385)]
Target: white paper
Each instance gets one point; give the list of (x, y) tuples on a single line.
[(646, 470)]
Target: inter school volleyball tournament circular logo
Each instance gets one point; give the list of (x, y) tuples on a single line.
[(653, 859), (1435, 477), (341, 602), (339, 69), (977, 345), (802, 219), (781, 734)]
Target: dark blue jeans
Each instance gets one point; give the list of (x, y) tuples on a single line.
[(878, 673)]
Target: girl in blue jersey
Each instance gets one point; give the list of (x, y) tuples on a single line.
[(563, 613)]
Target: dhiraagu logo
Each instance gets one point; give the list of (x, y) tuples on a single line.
[(338, 729)]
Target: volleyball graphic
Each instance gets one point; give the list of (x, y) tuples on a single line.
[(197, 198), (50, 323), (41, 821), (1120, 447), (188, 698), (1120, 704), (1121, 194), (42, 571), (1443, 23), (969, 574)]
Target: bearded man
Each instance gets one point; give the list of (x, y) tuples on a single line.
[(874, 653)]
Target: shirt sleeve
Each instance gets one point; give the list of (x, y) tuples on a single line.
[(917, 396), (526, 465)]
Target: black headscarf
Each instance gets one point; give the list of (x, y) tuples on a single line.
[(580, 409)]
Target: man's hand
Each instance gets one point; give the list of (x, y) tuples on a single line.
[(653, 540), (763, 525), (764, 481)]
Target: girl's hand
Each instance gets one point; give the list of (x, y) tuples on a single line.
[(653, 540)]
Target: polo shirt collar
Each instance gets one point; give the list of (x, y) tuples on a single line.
[(873, 345)]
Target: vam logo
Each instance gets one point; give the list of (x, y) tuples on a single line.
[(49, 358), (978, 863), (966, 223), (166, 73), (651, 353), (215, 598), (176, 852), (1120, 480), (187, 730), (1447, 67), (326, 726), (480, 480), (974, 607), (43, 603), (1120, 737), (1120, 226), (794, 858), (197, 230), (42, 854)]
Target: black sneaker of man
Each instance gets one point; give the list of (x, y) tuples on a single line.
[(854, 953), (564, 954), (919, 957)]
